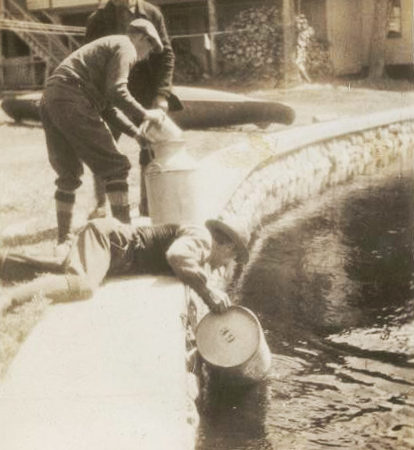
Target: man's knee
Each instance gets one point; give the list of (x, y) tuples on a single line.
[(68, 182), (118, 170)]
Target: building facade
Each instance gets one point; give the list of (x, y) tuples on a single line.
[(36, 34), (347, 26)]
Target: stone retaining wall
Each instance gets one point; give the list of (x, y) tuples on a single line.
[(299, 173)]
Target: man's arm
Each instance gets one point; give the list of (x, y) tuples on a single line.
[(117, 91), (118, 120), (186, 256)]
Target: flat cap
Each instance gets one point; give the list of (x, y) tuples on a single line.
[(236, 232), (145, 27)]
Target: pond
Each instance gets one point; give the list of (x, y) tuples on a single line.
[(332, 282)]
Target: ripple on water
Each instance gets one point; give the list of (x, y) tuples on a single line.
[(333, 288)]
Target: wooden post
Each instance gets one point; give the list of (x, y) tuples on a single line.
[(290, 74), (212, 29)]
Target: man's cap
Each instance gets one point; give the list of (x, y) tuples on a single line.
[(144, 26), (235, 232)]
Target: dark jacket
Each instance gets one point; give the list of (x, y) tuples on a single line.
[(148, 78)]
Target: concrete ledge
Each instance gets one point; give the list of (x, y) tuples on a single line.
[(106, 373), (224, 174), (294, 138)]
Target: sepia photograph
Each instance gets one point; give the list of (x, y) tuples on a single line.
[(206, 224)]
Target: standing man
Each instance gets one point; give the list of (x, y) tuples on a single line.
[(150, 81), (106, 247), (85, 92)]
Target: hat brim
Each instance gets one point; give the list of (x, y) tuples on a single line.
[(243, 252)]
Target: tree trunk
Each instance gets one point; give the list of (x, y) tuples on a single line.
[(382, 10)]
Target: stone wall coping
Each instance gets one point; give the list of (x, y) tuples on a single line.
[(286, 141), (268, 146), (281, 143)]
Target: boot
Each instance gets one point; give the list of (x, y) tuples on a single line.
[(59, 288)]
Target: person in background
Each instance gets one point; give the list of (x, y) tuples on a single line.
[(87, 91), (150, 81), (106, 247)]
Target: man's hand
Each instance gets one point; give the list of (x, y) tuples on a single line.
[(160, 102), (218, 301), (155, 115)]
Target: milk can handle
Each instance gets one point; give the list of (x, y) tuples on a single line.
[(146, 124)]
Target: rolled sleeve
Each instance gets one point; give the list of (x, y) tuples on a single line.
[(188, 254), (117, 80)]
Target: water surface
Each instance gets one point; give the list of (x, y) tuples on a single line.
[(332, 282)]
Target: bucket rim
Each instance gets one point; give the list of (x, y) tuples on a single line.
[(149, 173), (166, 141), (258, 331)]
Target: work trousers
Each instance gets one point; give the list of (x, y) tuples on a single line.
[(145, 156), (76, 134), (102, 248)]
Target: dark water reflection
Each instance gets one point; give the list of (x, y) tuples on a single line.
[(333, 285)]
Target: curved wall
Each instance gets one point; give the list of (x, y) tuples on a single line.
[(307, 160)]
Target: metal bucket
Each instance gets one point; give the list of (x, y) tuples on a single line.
[(234, 343), (172, 190)]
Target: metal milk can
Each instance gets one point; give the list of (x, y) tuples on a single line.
[(233, 343), (171, 177)]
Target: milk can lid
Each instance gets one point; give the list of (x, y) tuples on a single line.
[(229, 339)]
